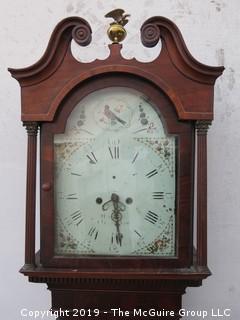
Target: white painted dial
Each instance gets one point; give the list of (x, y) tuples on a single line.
[(115, 178)]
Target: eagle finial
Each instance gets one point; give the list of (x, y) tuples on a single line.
[(116, 31), (118, 16)]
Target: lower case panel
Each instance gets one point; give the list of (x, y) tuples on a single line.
[(118, 299), (123, 294)]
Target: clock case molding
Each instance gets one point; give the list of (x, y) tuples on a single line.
[(46, 87)]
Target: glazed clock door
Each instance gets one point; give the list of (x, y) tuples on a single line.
[(116, 172), (115, 178)]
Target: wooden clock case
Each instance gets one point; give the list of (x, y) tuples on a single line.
[(184, 88)]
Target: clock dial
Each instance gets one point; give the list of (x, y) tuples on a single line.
[(115, 178)]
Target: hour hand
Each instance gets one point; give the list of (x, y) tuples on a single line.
[(114, 200), (118, 205), (107, 205)]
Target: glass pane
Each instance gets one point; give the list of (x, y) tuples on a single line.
[(115, 178)]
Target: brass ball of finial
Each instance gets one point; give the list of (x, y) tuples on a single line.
[(116, 33)]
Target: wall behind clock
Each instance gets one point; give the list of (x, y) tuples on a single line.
[(211, 31)]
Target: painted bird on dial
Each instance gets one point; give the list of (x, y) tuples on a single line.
[(112, 116)]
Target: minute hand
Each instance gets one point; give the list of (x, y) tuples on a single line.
[(117, 216)]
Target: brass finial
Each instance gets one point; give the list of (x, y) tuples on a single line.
[(116, 31)]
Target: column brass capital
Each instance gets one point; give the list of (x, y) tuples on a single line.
[(31, 127), (202, 126)]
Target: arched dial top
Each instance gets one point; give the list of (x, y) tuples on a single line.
[(115, 178)]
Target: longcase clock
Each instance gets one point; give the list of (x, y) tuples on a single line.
[(119, 140)]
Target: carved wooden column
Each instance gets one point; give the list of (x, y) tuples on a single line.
[(201, 129), (32, 129)]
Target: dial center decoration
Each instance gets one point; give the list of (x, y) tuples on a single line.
[(115, 178)]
